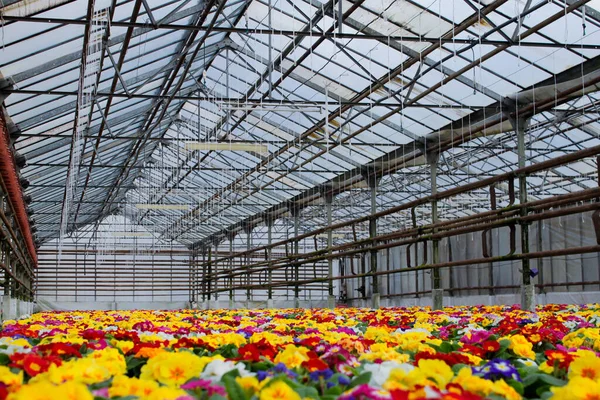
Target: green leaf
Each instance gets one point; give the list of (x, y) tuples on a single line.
[(234, 390), (260, 366), (217, 397), (446, 347), (457, 367), (552, 381), (504, 344), (234, 373), (530, 379), (134, 362), (334, 390), (362, 379), (307, 392), (4, 359)]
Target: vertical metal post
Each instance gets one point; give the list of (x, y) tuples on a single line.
[(527, 289), (248, 229), (437, 291), (329, 205), (204, 270), (372, 177), (231, 266), (209, 268), (269, 221), (295, 212)]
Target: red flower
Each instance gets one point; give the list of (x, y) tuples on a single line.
[(93, 334), (32, 363), (560, 358), (490, 346), (450, 358), (475, 350), (310, 342), (249, 352), (315, 364), (254, 351), (58, 349), (399, 394)]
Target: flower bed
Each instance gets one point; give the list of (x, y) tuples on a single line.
[(395, 353)]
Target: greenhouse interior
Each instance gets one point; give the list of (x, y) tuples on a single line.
[(300, 199)]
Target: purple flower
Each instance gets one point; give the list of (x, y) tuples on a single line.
[(498, 368), (261, 375), (343, 380), (282, 369), (325, 374)]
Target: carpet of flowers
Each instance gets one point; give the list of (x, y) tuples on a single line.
[(348, 353)]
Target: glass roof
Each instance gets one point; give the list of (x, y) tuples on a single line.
[(205, 114)]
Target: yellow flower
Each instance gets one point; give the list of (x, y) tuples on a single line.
[(249, 384), (9, 378), (124, 386), (47, 391), (521, 346), (475, 384), (111, 359), (400, 379), (436, 370), (174, 369), (586, 367), (278, 390), (578, 388), (503, 389), (292, 356), (123, 345)]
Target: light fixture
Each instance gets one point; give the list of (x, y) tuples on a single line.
[(131, 234), (333, 236), (224, 146), (142, 206)]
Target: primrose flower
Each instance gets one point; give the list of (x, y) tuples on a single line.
[(380, 373), (215, 370), (278, 390)]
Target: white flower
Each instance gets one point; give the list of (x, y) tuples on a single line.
[(215, 370), (12, 348), (570, 324), (381, 372), (468, 328), (414, 330)]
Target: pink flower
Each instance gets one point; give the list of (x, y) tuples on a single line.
[(206, 385)]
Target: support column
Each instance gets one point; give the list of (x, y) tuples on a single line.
[(204, 273), (372, 176), (328, 196), (527, 289), (269, 220), (231, 237), (437, 293), (295, 212), (248, 231), (209, 279)]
